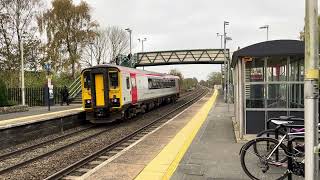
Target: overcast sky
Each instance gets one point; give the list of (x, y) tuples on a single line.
[(193, 24)]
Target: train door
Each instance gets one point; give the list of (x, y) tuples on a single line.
[(99, 90), (127, 89), (134, 90)]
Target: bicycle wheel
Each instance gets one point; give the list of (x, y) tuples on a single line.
[(270, 133), (257, 165)]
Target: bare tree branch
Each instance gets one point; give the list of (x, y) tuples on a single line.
[(118, 42)]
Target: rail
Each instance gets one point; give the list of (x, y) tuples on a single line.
[(60, 174)]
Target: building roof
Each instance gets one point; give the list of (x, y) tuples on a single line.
[(270, 48)]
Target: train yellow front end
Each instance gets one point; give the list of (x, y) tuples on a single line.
[(101, 94)]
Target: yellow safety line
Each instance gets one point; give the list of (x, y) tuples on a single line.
[(7, 121), (165, 163)]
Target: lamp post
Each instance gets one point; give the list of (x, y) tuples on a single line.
[(221, 46), (23, 96), (229, 75), (142, 40), (130, 33), (265, 27), (221, 39), (311, 91), (225, 23)]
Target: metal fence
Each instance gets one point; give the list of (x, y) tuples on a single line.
[(34, 96)]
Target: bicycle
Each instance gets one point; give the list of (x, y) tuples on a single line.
[(272, 165)]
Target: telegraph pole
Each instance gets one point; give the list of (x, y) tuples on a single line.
[(311, 90)]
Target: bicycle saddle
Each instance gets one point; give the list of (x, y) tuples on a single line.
[(277, 122)]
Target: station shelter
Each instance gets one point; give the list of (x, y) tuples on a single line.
[(268, 80)]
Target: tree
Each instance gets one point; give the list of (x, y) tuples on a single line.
[(97, 49), (17, 25), (118, 42), (214, 78), (176, 72), (68, 29), (3, 94)]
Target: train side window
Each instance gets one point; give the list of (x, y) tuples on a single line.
[(113, 76), (128, 82), (86, 79)]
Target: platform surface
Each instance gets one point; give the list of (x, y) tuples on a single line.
[(130, 163), (213, 154), (38, 113)]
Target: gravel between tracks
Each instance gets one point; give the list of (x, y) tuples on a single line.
[(40, 140), (48, 165)]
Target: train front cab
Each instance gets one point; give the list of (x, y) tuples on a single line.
[(101, 94)]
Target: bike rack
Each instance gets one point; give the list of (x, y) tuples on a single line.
[(280, 127)]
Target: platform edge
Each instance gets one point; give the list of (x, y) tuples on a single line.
[(165, 163)]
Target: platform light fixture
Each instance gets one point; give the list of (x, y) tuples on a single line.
[(130, 34), (142, 40), (265, 27), (221, 39)]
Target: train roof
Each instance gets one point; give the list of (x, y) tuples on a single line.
[(138, 71)]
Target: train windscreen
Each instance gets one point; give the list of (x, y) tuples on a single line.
[(114, 82)]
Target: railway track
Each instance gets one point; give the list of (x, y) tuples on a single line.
[(110, 150), (89, 159), (37, 145), (58, 138)]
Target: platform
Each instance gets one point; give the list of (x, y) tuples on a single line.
[(36, 114), (213, 154), (198, 143)]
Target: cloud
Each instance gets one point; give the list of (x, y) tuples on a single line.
[(192, 24)]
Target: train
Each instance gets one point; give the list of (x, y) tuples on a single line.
[(111, 92)]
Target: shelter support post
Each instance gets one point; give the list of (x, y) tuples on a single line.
[(241, 97)]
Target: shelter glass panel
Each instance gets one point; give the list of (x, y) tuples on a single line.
[(277, 69), (255, 70), (255, 122), (277, 96), (255, 96), (296, 69), (299, 114), (296, 95)]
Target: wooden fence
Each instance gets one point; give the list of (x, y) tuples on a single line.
[(34, 96)]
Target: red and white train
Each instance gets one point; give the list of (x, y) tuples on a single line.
[(111, 92)]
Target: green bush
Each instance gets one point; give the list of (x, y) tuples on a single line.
[(3, 94)]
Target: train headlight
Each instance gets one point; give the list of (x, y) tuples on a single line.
[(87, 103)]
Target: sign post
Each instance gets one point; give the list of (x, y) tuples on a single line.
[(49, 85)]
